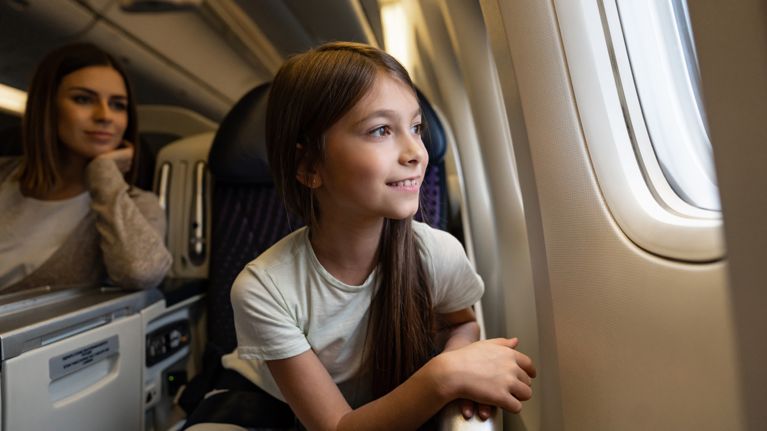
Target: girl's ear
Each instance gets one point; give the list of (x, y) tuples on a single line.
[(306, 175), (309, 179)]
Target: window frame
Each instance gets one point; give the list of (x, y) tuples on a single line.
[(689, 134), (640, 199)]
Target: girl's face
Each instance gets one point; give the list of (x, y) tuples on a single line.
[(374, 159), (92, 107)]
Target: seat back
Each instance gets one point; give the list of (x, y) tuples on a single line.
[(248, 216), (182, 183), (10, 141), (434, 195)]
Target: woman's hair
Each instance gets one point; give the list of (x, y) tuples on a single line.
[(310, 93), (42, 149)]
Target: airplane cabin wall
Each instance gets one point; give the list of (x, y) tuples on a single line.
[(638, 341), (731, 42)]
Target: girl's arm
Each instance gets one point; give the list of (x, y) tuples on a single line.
[(490, 372), (458, 328), (131, 226)]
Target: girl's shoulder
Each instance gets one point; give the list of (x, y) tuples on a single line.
[(282, 252), (432, 239)]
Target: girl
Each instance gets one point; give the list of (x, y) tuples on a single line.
[(338, 319), (67, 214)]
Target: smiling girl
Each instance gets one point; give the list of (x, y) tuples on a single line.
[(341, 318), (67, 214)]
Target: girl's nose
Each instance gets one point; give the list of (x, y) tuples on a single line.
[(413, 152)]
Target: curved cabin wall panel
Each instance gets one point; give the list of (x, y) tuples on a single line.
[(196, 68), (194, 47), (33, 30), (639, 341)]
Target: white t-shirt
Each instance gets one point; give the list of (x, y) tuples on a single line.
[(286, 303), (31, 230)]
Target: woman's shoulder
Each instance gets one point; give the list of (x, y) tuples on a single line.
[(7, 166)]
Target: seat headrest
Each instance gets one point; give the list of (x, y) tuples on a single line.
[(10, 141), (434, 133), (238, 153)]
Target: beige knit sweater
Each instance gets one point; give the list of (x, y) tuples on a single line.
[(122, 238)]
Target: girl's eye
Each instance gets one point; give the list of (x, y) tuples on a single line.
[(417, 129), (380, 132)]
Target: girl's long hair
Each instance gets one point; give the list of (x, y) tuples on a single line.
[(310, 93), (42, 149)]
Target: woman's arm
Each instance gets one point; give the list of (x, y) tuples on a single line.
[(489, 372), (131, 227)]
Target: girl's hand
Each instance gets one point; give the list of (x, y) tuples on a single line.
[(491, 372), (469, 407), (122, 156)]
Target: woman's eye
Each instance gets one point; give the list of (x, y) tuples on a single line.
[(81, 99), (380, 132), (119, 105), (417, 129)]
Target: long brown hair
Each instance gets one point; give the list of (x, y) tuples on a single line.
[(39, 168), (310, 93)]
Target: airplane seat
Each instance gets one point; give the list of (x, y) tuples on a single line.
[(434, 195), (182, 184), (10, 141), (248, 216)]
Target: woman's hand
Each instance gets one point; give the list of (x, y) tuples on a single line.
[(122, 156), (490, 373)]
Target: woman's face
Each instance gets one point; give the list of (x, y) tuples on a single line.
[(92, 107)]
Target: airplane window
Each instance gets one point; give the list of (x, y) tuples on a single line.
[(635, 79), (664, 68)]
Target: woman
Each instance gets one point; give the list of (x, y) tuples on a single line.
[(67, 214)]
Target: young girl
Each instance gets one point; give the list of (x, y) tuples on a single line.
[(341, 318), (67, 214)]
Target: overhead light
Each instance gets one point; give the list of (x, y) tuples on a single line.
[(12, 100), (158, 5)]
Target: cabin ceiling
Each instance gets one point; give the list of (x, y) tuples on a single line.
[(203, 56)]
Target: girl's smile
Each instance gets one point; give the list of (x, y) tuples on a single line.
[(412, 185)]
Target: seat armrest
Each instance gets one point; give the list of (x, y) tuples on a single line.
[(451, 419)]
